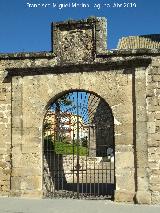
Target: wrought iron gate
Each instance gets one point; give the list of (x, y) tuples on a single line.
[(79, 147)]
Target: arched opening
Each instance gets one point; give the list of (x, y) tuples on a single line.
[(78, 150)]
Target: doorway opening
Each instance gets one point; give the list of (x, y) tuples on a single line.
[(78, 149)]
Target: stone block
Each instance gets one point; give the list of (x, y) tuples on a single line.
[(155, 197), (31, 183), (151, 127), (17, 121), (142, 180), (154, 137), (141, 115), (156, 172), (124, 196), (32, 194), (128, 176), (150, 92), (32, 136), (156, 63), (120, 148), (3, 92), (156, 77), (158, 94), (124, 139), (143, 197), (16, 183), (142, 157), (16, 158), (16, 136), (124, 160), (31, 149), (123, 128), (154, 179), (154, 70), (152, 108), (26, 172), (15, 193), (3, 164), (158, 123), (153, 101), (155, 187), (151, 117), (153, 165)]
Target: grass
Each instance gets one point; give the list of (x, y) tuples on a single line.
[(69, 149), (65, 148)]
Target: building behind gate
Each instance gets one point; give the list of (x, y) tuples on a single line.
[(127, 79)]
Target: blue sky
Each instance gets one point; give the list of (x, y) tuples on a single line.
[(26, 29), (80, 101)]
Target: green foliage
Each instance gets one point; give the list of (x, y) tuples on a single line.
[(63, 147), (69, 149)]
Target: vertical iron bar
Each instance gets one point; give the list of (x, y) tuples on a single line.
[(73, 163), (77, 149), (106, 191), (82, 177), (94, 178), (90, 188), (86, 175), (54, 164), (50, 161), (102, 176), (110, 171), (98, 180)]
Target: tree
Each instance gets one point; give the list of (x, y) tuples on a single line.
[(64, 100)]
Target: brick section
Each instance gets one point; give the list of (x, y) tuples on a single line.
[(137, 42)]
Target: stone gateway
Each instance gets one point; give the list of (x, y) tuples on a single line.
[(126, 79)]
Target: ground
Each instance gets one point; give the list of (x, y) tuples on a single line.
[(17, 205)]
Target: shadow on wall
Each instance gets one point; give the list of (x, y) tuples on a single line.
[(54, 176)]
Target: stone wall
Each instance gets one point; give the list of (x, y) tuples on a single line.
[(153, 127), (31, 96), (128, 80), (5, 133)]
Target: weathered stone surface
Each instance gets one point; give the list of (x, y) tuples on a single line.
[(124, 196), (129, 183), (128, 80), (124, 160), (155, 197), (143, 197)]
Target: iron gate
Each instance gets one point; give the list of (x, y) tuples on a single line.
[(79, 147)]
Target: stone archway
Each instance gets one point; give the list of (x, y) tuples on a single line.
[(79, 147), (31, 97)]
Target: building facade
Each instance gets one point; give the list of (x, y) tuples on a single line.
[(128, 79)]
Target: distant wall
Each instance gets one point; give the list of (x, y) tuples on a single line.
[(137, 42)]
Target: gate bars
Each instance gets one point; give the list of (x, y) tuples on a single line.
[(78, 149)]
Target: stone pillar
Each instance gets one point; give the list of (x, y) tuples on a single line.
[(143, 196), (26, 180), (124, 148), (5, 133), (17, 134)]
